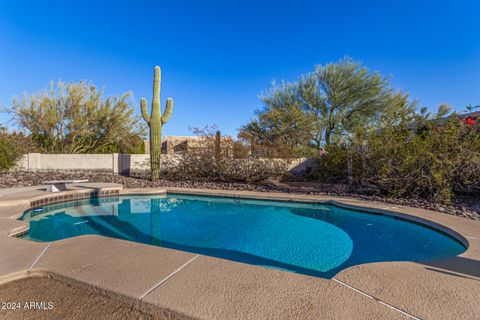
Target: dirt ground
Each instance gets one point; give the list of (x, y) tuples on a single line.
[(39, 298)]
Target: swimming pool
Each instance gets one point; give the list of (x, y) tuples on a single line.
[(313, 239)]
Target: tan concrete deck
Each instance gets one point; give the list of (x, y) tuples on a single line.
[(182, 285)]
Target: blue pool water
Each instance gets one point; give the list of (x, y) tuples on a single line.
[(313, 239)]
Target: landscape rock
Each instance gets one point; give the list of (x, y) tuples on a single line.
[(140, 180)]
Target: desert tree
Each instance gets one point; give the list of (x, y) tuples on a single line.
[(343, 96), (326, 107), (281, 125), (76, 118)]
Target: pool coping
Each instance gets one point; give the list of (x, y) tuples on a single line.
[(351, 279)]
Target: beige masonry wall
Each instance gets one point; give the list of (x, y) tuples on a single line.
[(118, 163), (115, 162)]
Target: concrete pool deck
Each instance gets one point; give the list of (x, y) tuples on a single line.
[(180, 285)]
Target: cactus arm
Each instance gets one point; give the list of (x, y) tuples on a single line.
[(168, 111), (143, 105)]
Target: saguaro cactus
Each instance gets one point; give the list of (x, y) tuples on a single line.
[(155, 122), (218, 141)]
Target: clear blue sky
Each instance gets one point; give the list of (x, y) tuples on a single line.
[(217, 56)]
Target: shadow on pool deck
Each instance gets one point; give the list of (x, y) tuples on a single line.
[(456, 266)]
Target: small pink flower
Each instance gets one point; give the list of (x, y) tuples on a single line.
[(322, 153)]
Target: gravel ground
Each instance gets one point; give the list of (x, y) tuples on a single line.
[(467, 207)]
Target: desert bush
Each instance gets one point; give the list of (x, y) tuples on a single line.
[(428, 158), (433, 162), (7, 157), (241, 150), (332, 165), (466, 171), (402, 164), (249, 170), (213, 162), (12, 147)]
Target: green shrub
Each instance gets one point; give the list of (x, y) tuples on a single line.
[(12, 147), (430, 159), (7, 158), (401, 163), (333, 166), (466, 171)]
